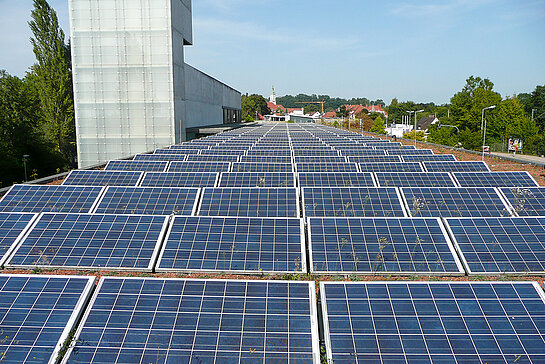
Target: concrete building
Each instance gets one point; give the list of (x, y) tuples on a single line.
[(133, 90)]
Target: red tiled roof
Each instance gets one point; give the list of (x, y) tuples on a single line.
[(330, 115)]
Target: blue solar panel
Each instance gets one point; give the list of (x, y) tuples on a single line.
[(190, 146), (177, 151), (262, 167), (160, 157), (320, 159), (391, 167), (314, 152), (102, 178), (212, 158), (326, 167), (526, 201), (433, 322), (197, 167), (410, 179), (221, 151), (85, 241), (37, 314), (142, 166), (361, 152), (408, 152), (352, 201), (429, 158), (469, 166), (495, 179), (250, 202), (270, 152), (336, 180), (12, 227), (180, 179), (138, 320), (148, 201), (44, 198), (264, 159), (454, 202), (375, 159), (381, 245), (257, 179), (235, 245)]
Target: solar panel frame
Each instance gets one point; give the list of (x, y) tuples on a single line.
[(110, 204), (302, 246), (375, 159), (430, 158), (326, 167), (220, 151), (34, 227), (382, 262), (458, 166), (244, 179), (36, 200), (10, 236), (467, 179), (361, 152), (403, 152), (161, 157), (190, 145), (128, 175), (178, 151), (315, 152), (319, 159), (195, 167), (71, 322), (213, 158), (139, 166), (199, 179), (305, 191), (262, 167), (337, 179), (440, 352), (265, 159), (228, 296), (524, 200), (402, 179), (390, 167)]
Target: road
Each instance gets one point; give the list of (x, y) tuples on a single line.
[(522, 157)]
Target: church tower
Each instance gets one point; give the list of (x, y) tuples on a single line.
[(272, 98)]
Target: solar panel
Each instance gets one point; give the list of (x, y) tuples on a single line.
[(90, 241), (180, 179), (410, 179), (381, 245), (315, 152), (234, 245), (12, 227), (197, 167), (141, 166), (262, 167), (500, 245), (454, 202), (375, 159), (429, 158), (37, 314), (212, 158), (352, 202), (526, 201), (270, 152), (320, 159), (49, 198), (407, 152), (361, 152), (148, 201), (250, 202), (326, 167), (160, 157), (391, 167), (177, 151), (193, 145), (138, 320), (264, 159), (257, 179), (102, 178), (470, 166), (336, 180), (433, 322), (495, 179), (220, 151)]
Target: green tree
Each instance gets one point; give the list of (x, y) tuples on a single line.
[(252, 104), (342, 112), (52, 77), (311, 109), (536, 101), (378, 126)]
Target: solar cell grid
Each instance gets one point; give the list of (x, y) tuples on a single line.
[(454, 202), (381, 245), (235, 245), (320, 159), (263, 159), (336, 180), (141, 166), (262, 167), (433, 322), (198, 321), (44, 198), (362, 152), (199, 167), (375, 159), (194, 145), (160, 157), (148, 201), (326, 167), (495, 179), (526, 201), (315, 152), (212, 158), (12, 227), (409, 179), (466, 166), (222, 151), (429, 158), (257, 179), (352, 202), (270, 152), (391, 167), (177, 151), (91, 241), (37, 314), (406, 152), (102, 178), (250, 202), (180, 179)]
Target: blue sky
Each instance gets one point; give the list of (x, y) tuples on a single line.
[(412, 50)]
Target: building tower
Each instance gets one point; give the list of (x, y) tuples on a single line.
[(272, 98)]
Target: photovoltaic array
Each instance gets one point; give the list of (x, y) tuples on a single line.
[(257, 179), (495, 179), (12, 226), (141, 166), (180, 179), (409, 179), (197, 167), (103, 178)]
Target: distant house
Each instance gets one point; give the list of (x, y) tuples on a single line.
[(281, 113), (330, 115), (425, 122)]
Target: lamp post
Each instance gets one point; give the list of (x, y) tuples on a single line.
[(449, 126), (24, 164), (416, 112), (483, 126), (409, 119)]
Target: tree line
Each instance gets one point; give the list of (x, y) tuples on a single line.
[(37, 123)]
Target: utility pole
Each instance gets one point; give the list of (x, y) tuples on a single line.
[(483, 126), (24, 164), (416, 112)]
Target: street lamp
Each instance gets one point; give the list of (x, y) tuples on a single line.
[(448, 126), (416, 112), (483, 126), (24, 164)]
